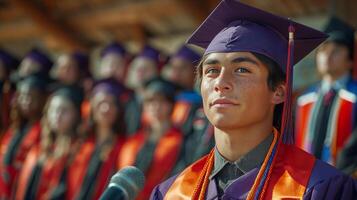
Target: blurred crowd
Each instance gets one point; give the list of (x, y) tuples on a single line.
[(65, 133)]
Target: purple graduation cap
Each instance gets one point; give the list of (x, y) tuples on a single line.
[(236, 27), (41, 58), (110, 86), (115, 48), (188, 54), (150, 53)]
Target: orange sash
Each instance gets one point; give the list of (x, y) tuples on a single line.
[(288, 179), (165, 157)]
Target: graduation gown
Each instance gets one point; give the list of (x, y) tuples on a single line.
[(14, 149), (163, 160), (341, 123), (91, 170), (295, 175), (42, 181)]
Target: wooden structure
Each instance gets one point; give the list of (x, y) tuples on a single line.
[(84, 24)]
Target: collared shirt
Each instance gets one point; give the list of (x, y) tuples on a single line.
[(226, 172), (337, 85)]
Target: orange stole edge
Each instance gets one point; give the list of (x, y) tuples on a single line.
[(182, 187), (293, 169)]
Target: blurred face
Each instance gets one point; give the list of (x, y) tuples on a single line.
[(332, 59), (30, 101), (235, 91), (67, 70), (105, 109), (112, 66), (143, 69), (28, 66), (182, 72), (61, 114), (156, 107)]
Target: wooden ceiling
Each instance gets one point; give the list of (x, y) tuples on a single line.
[(84, 24)]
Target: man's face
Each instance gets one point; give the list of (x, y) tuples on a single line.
[(182, 72), (67, 70), (332, 59), (112, 66), (28, 66), (235, 90)]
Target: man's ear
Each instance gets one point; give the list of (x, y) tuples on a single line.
[(279, 94)]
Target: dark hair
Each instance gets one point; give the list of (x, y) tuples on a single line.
[(276, 76)]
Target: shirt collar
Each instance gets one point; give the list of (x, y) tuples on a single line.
[(338, 84), (249, 161)]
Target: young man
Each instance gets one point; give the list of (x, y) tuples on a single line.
[(326, 113), (242, 85)]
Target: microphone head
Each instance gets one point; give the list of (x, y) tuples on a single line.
[(130, 179)]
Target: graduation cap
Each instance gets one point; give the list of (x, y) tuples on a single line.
[(73, 93), (9, 61), (41, 58), (39, 82), (188, 54), (235, 27), (110, 86), (150, 53), (341, 33), (115, 48), (158, 85)]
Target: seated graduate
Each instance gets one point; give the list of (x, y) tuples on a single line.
[(154, 149), (96, 160), (249, 52), (35, 62), (145, 66), (23, 133), (44, 173), (8, 65)]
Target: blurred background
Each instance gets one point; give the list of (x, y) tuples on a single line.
[(88, 24)]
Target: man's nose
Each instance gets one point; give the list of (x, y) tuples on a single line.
[(223, 82)]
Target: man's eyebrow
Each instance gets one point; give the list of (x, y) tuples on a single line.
[(211, 62), (244, 59)]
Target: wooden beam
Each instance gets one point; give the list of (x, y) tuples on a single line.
[(18, 31), (49, 25)]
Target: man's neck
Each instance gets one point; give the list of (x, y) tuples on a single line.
[(233, 144), (331, 79)]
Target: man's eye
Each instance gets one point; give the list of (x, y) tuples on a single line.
[(242, 70), (212, 71)]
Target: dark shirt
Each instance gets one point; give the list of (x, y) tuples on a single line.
[(226, 172)]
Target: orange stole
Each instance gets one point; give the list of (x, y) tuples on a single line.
[(78, 168), (165, 157), (180, 112), (31, 139), (303, 117), (289, 178), (50, 175)]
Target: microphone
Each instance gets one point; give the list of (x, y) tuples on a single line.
[(124, 185)]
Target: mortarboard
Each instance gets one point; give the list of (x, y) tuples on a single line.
[(73, 93), (162, 86), (150, 53), (110, 86), (9, 61), (115, 48), (341, 33), (35, 81), (41, 58), (189, 54), (233, 26)]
